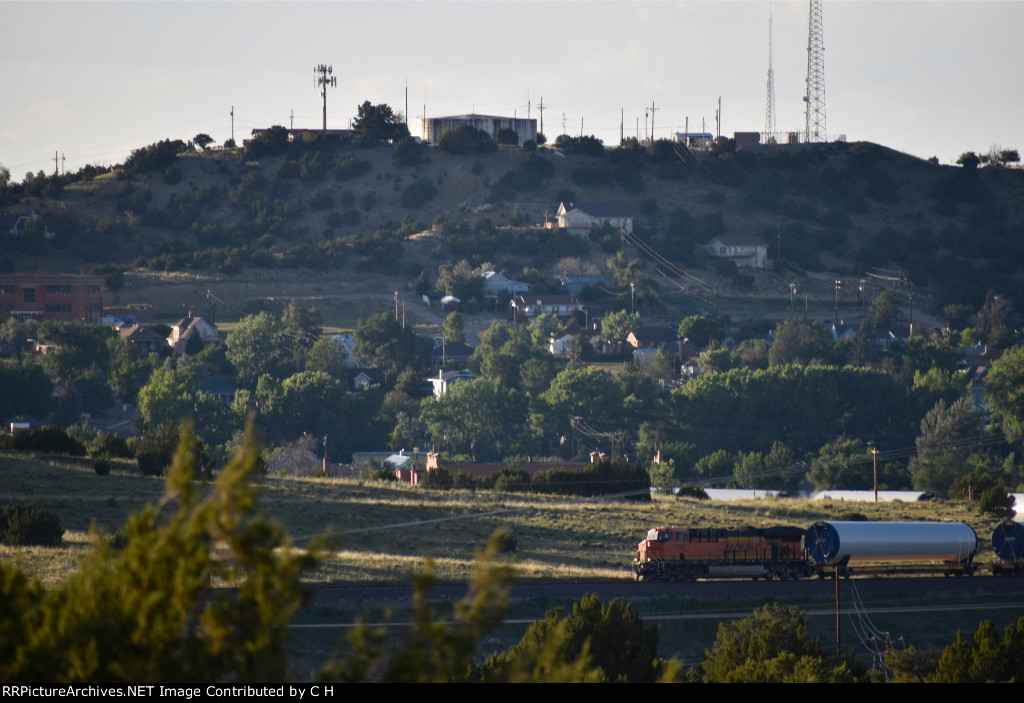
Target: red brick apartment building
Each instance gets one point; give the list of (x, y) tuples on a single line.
[(43, 296)]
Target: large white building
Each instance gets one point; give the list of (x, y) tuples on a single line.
[(432, 128)]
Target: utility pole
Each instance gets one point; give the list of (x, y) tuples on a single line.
[(232, 123), (653, 109), (541, 108), (322, 78)]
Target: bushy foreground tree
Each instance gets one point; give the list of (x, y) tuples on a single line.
[(772, 647), (149, 610)]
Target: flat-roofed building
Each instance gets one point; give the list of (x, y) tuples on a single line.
[(60, 296)]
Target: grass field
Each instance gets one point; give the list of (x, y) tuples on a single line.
[(384, 531)]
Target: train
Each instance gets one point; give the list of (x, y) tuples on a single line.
[(824, 549)]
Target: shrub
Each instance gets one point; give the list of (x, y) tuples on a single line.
[(418, 193), (507, 135), (439, 479), (173, 176), (467, 140), (29, 526), (101, 467), (49, 439), (505, 540)]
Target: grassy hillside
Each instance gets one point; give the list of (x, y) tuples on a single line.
[(364, 215)]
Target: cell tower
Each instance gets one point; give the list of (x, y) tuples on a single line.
[(769, 111), (815, 96), (321, 79)]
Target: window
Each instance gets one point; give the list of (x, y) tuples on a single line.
[(28, 295), (6, 289), (58, 290), (58, 307)]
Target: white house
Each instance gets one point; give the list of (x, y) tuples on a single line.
[(561, 306), (494, 283), (187, 326), (743, 250), (583, 218), (444, 380)]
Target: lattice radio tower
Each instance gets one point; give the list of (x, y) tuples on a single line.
[(321, 79), (815, 96), (769, 111)]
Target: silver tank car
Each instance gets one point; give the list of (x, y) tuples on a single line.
[(845, 542), (1008, 542)]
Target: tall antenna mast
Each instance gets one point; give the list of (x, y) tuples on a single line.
[(321, 79), (815, 97), (769, 111)]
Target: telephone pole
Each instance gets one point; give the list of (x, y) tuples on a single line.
[(322, 78)]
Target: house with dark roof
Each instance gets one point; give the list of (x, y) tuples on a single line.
[(583, 218), (144, 338), (528, 307)]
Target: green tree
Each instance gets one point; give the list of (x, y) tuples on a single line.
[(580, 392), (611, 640), (886, 308), (383, 341), (148, 612), (969, 160), (616, 326), (177, 396), (479, 417), (700, 330), (260, 345), (202, 140), (771, 647), (1004, 389), (842, 464), (431, 650), (328, 356), (799, 343), (375, 124), (455, 328), (987, 657), (949, 433)]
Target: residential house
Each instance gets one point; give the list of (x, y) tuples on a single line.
[(219, 389), (576, 284), (562, 343), (744, 250), (445, 352), (495, 283), (583, 218), (445, 380), (142, 337), (530, 307), (362, 378), (184, 328), (655, 338)]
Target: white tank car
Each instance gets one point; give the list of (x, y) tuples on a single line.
[(849, 542)]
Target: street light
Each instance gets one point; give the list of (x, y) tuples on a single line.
[(792, 292)]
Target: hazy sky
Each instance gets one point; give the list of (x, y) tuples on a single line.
[(95, 80)]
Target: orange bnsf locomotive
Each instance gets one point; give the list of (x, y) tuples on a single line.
[(681, 553)]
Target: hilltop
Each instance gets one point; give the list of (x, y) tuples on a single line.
[(327, 219)]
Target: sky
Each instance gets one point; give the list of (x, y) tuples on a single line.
[(94, 80)]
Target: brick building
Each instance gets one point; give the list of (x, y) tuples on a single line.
[(43, 296)]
